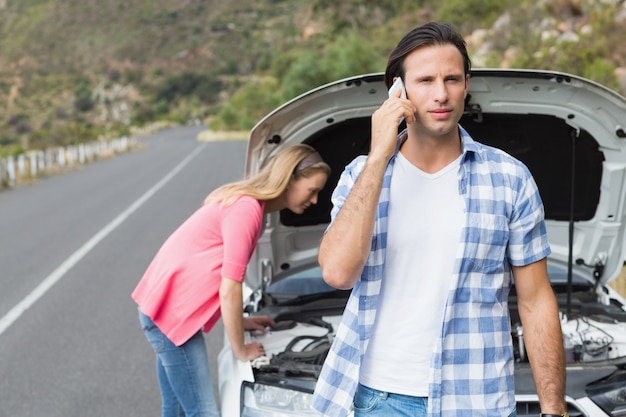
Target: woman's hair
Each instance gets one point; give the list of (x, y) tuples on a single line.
[(430, 34), (294, 162)]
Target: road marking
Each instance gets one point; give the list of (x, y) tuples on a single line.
[(58, 273)]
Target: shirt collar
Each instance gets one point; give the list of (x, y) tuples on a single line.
[(467, 143)]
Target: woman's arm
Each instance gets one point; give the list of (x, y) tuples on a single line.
[(231, 299)]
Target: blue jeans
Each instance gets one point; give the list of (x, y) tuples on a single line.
[(183, 372), (373, 403), (369, 402)]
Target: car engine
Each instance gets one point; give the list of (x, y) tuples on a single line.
[(298, 345), (592, 330)]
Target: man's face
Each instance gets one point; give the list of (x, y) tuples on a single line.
[(437, 85)]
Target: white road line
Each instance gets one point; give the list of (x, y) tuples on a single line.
[(58, 273)]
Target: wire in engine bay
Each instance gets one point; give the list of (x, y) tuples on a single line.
[(305, 360)]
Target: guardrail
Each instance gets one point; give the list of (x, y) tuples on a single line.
[(33, 164)]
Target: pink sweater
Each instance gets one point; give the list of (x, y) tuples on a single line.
[(180, 289)]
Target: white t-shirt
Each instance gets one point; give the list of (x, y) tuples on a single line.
[(426, 216)]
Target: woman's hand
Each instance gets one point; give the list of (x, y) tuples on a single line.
[(260, 323), (234, 323), (254, 350), (251, 351)]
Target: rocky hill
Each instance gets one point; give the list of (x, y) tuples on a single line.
[(74, 70)]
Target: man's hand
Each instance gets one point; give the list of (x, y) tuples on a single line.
[(385, 122)]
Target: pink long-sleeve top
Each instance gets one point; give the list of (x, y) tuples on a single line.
[(180, 289)]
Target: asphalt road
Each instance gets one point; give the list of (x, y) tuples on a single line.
[(72, 248)]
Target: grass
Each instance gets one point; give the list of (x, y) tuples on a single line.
[(619, 284)]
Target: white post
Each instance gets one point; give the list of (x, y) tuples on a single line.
[(48, 160), (41, 158), (21, 164), (33, 164), (81, 153), (61, 157), (11, 169)]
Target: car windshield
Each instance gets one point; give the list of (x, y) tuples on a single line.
[(308, 281), (558, 275)]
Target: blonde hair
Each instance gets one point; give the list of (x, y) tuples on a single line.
[(273, 178)]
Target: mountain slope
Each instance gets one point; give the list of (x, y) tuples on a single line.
[(71, 70)]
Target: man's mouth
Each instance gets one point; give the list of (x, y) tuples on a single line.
[(440, 113)]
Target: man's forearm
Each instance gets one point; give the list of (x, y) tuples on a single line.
[(544, 342), (347, 244)]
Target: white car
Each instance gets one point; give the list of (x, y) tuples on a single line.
[(569, 131)]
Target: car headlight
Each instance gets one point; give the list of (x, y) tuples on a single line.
[(259, 400), (610, 394)]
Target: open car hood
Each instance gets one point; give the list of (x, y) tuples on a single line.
[(569, 131)]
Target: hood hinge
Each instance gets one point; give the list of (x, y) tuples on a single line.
[(475, 111), (598, 266), (267, 271), (259, 297)]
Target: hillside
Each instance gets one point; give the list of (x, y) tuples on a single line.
[(74, 70)]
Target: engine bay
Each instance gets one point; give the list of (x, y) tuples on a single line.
[(297, 347), (592, 331), (295, 351)]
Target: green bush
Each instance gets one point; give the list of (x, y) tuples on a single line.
[(226, 119), (297, 73), (83, 103), (142, 114), (188, 84), (11, 149), (251, 102), (7, 140), (602, 71), (62, 135), (467, 14), (349, 55)]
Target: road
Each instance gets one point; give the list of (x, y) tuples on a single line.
[(72, 248)]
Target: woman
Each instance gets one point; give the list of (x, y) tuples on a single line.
[(198, 272)]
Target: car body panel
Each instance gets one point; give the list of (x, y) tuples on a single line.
[(579, 104)]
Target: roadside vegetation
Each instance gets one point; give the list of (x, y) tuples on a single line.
[(73, 71)]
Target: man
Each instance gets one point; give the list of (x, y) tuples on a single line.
[(428, 230)]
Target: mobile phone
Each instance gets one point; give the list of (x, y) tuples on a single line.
[(398, 84)]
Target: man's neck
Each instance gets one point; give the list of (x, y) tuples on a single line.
[(431, 154)]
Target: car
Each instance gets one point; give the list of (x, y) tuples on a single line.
[(571, 134)]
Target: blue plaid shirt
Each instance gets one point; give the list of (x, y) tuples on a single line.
[(472, 365)]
